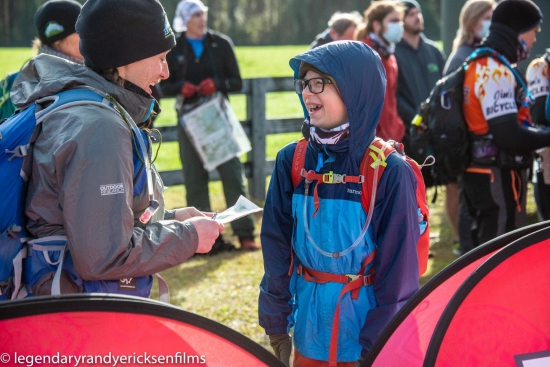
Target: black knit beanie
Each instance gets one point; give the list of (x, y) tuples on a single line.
[(519, 15), (410, 4), (56, 19), (115, 33)]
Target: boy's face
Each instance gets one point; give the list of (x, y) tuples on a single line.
[(326, 109)]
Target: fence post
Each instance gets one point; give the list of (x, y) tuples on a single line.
[(257, 109)]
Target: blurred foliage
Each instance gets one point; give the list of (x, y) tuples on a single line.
[(247, 22)]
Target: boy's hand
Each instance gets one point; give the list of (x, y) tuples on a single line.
[(208, 230), (207, 87), (188, 90), (359, 362), (282, 346)]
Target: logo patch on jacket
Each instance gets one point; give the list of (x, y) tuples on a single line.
[(112, 189), (127, 284)]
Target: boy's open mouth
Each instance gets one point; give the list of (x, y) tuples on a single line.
[(311, 107)]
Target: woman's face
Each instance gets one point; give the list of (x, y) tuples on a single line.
[(326, 109), (484, 18), (147, 72), (393, 17), (69, 45)]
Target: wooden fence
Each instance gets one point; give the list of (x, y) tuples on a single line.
[(257, 127)]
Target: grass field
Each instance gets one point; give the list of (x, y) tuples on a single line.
[(225, 287)]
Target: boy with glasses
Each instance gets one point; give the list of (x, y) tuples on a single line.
[(314, 233)]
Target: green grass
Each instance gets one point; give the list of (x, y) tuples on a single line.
[(224, 287)]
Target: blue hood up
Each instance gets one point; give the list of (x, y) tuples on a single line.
[(361, 78)]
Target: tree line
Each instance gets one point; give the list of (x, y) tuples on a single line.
[(247, 22)]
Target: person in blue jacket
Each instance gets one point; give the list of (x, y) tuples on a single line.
[(341, 87)]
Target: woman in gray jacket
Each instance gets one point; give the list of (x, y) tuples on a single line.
[(82, 196)]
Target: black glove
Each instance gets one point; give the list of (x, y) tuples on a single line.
[(282, 346)]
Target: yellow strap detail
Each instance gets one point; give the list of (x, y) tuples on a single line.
[(375, 157)]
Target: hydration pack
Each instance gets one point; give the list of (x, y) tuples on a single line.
[(23, 261), (441, 130), (371, 169)]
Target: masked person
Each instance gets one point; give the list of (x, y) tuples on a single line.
[(82, 194), (382, 30), (201, 63)]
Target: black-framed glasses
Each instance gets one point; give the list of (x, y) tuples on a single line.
[(315, 85)]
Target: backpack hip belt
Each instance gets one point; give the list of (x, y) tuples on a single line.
[(352, 284)]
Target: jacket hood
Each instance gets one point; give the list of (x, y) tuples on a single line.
[(361, 78), (46, 75)]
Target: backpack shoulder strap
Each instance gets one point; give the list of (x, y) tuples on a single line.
[(375, 156), (298, 161)]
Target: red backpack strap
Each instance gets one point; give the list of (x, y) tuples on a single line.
[(368, 166), (423, 246), (298, 161)]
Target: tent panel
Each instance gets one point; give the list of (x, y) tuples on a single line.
[(109, 326), (404, 341), (116, 334), (503, 310), (408, 344)]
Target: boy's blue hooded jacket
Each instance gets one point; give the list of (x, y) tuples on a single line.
[(290, 301)]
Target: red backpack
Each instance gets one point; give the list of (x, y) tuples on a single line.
[(373, 162)]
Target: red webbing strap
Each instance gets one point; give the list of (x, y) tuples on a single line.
[(329, 178), (367, 170), (423, 245), (353, 286), (367, 261), (298, 161)]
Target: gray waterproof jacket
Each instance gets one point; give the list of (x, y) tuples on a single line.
[(80, 149)]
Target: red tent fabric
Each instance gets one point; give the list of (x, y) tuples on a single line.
[(407, 338), (109, 328), (502, 310)]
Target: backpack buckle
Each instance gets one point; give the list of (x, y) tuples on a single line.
[(19, 152), (328, 177), (352, 277), (14, 230), (339, 178)]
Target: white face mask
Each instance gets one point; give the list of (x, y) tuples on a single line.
[(394, 33), (484, 31)]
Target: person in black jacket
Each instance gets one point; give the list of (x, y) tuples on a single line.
[(201, 63)]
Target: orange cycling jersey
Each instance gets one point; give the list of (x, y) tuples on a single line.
[(490, 92), (537, 77)]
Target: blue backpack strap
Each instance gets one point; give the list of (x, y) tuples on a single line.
[(140, 174), (493, 53)]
